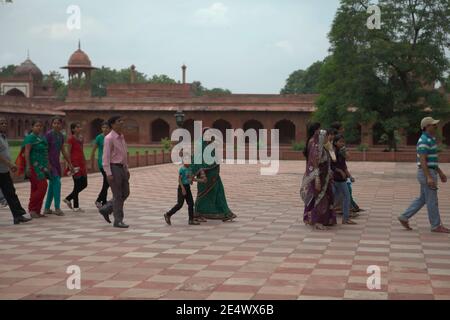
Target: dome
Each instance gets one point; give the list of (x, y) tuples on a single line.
[(79, 59), (28, 67)]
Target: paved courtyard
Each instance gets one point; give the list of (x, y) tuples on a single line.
[(266, 253)]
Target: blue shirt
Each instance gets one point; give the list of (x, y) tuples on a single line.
[(427, 145), (185, 174)]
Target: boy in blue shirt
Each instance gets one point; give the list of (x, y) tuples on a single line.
[(185, 179)]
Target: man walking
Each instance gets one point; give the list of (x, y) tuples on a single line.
[(427, 175), (116, 167), (6, 183)]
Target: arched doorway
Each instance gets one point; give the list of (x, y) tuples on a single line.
[(253, 124), (96, 127), (15, 93), (222, 126), (377, 132), (189, 126), (446, 134), (286, 131), (131, 130), (160, 129)]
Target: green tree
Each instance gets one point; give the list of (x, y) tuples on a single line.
[(7, 71), (303, 81), (199, 90), (387, 75), (56, 80), (162, 78)]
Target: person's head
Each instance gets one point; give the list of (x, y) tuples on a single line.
[(75, 128), (338, 126), (56, 124), (331, 132), (37, 126), (3, 124), (339, 141), (429, 125), (116, 123), (311, 131), (105, 128)]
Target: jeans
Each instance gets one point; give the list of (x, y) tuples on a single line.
[(180, 202), (342, 197), (104, 192), (427, 197), (79, 184)]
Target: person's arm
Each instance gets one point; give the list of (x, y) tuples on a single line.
[(426, 171), (183, 190), (66, 157), (9, 164), (106, 158), (94, 148), (442, 175)]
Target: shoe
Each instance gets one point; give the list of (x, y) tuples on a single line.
[(105, 216), (167, 217), (35, 215), (78, 210), (98, 204), (194, 223), (348, 221), (59, 212), (120, 225), (441, 229), (48, 211), (107, 208), (68, 203), (405, 224), (21, 219)]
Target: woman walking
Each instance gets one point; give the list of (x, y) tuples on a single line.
[(35, 151), (98, 145), (78, 161), (316, 190), (55, 140)]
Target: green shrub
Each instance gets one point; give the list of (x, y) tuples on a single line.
[(166, 144), (298, 146), (362, 147)]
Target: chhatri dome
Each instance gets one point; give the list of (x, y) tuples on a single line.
[(27, 68), (79, 60)]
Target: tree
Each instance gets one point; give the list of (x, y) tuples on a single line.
[(303, 81), (387, 75), (56, 80), (199, 90), (7, 71), (162, 78)]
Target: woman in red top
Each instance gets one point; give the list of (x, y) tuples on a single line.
[(79, 176)]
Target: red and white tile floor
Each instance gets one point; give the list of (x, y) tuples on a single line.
[(267, 253)]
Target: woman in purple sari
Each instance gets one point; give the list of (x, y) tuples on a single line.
[(316, 190)]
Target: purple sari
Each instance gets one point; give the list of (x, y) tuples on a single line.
[(318, 204)]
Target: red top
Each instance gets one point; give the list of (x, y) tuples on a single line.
[(77, 156)]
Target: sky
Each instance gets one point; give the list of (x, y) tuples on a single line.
[(246, 46)]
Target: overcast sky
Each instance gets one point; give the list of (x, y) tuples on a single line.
[(247, 46)]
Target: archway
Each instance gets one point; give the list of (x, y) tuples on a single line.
[(286, 131), (446, 134), (96, 127), (222, 126), (189, 126), (131, 130), (160, 129), (253, 124), (15, 93)]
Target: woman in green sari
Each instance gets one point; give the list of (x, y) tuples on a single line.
[(211, 202)]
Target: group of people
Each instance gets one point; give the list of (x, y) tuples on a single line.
[(326, 188), (39, 161)]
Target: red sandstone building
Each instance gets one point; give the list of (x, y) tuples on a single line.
[(149, 109)]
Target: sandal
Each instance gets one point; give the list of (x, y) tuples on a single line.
[(348, 222), (319, 227)]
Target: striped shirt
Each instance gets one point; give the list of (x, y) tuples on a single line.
[(427, 145)]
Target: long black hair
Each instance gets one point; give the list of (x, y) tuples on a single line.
[(73, 125), (311, 129)]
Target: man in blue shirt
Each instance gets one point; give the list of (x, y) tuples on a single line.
[(427, 175)]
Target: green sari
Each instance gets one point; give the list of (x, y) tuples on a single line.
[(211, 202)]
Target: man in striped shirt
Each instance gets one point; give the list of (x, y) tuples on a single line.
[(427, 175)]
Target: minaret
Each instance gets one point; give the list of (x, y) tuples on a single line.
[(132, 74), (183, 67)]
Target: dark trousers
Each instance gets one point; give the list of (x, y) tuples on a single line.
[(9, 192), (180, 202), (79, 184), (120, 188), (102, 196)]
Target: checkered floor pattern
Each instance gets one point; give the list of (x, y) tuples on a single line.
[(266, 253)]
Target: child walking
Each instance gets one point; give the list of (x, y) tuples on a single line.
[(185, 179)]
